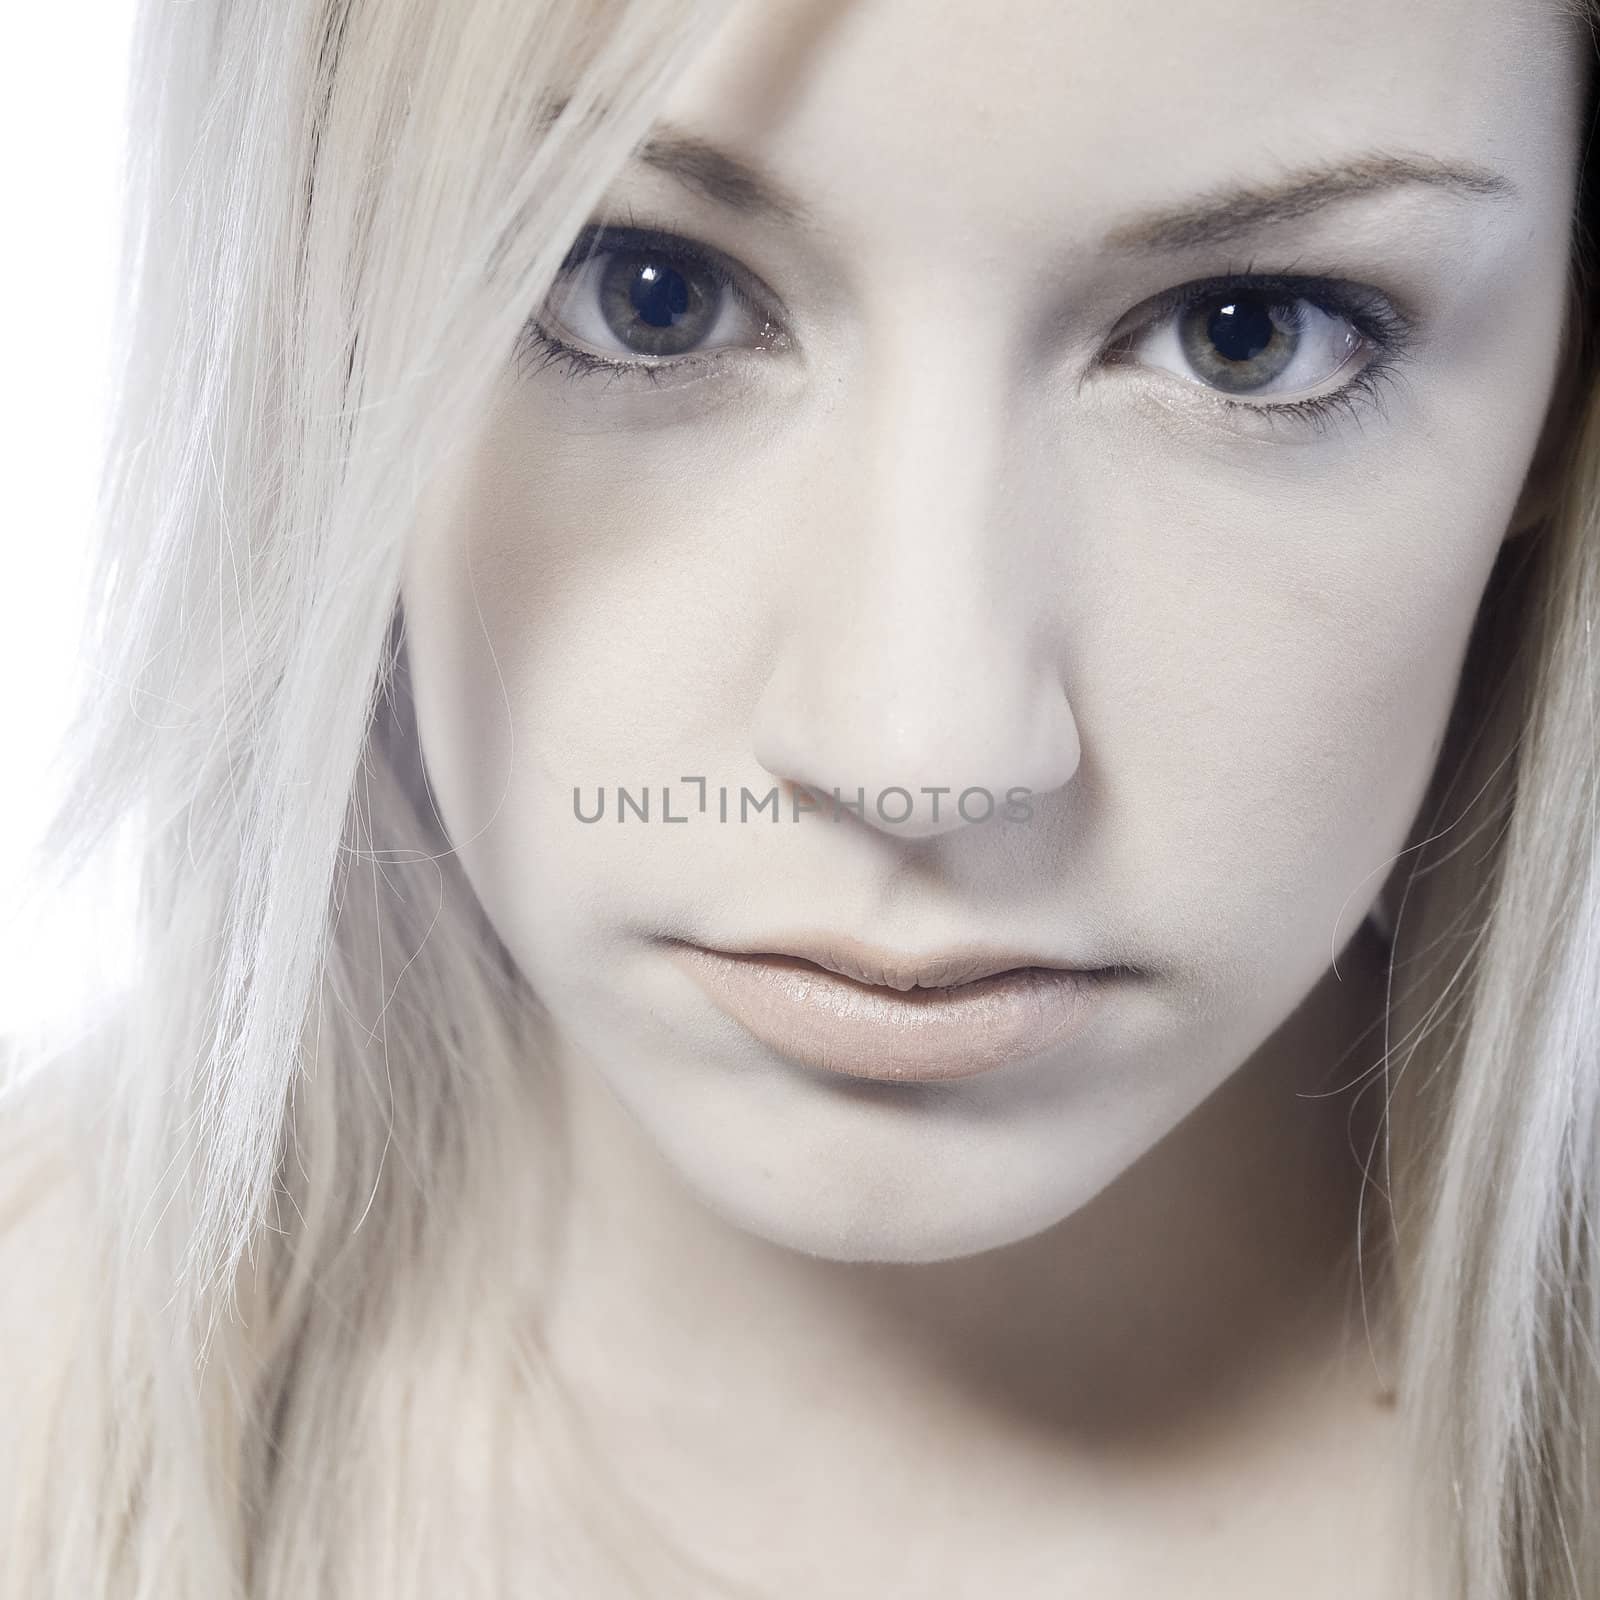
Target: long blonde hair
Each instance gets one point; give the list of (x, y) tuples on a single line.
[(239, 1218)]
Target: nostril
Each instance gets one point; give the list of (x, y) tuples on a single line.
[(918, 799)]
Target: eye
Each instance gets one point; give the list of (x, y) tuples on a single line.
[(633, 299), (1245, 344), (1270, 343)]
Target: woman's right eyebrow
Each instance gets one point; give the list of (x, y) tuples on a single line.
[(726, 179), (1216, 217)]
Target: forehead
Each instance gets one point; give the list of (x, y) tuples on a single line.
[(920, 111)]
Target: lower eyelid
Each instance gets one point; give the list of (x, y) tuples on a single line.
[(538, 349), (1353, 402), (1184, 404)]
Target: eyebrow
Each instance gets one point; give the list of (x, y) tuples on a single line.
[(1217, 217), (701, 166), (1228, 213)]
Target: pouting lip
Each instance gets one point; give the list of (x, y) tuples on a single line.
[(850, 958)]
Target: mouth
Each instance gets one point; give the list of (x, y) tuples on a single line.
[(845, 1009)]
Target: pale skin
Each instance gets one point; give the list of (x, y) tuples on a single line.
[(1085, 1325)]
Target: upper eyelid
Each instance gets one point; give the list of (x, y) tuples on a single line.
[(1398, 321), (1377, 314)]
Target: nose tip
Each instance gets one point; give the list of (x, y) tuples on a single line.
[(960, 761)]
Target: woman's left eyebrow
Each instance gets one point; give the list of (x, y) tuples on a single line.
[(1230, 213)]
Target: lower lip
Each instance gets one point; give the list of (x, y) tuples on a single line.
[(857, 1030)]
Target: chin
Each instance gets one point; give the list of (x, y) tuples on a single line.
[(915, 1217)]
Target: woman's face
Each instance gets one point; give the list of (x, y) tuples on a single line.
[(894, 443)]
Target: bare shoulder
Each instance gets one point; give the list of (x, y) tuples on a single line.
[(48, 1256), (44, 1197)]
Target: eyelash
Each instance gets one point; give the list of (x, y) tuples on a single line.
[(541, 346), (1387, 330)]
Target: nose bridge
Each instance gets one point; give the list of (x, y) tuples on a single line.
[(913, 656)]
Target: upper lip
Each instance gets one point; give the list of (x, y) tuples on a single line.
[(864, 963)]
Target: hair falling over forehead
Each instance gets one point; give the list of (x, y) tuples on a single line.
[(256, 1380)]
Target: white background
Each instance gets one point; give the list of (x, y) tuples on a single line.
[(62, 76)]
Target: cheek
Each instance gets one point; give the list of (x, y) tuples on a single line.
[(579, 618), (617, 623), (1265, 675)]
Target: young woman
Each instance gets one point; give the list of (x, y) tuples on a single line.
[(862, 747)]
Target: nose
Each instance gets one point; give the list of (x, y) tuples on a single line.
[(916, 679)]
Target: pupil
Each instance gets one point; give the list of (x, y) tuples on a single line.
[(659, 294), (1240, 331)]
